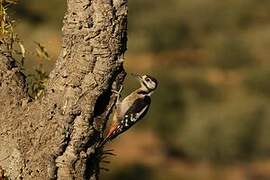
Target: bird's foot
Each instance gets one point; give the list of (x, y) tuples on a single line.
[(118, 94)]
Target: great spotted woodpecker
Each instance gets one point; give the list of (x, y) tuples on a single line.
[(132, 108)]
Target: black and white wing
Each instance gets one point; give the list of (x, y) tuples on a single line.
[(136, 112)]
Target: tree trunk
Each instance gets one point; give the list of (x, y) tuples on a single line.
[(55, 136)]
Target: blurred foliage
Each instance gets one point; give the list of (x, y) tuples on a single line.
[(257, 81), (133, 172), (231, 52), (168, 123), (203, 121), (5, 22), (202, 89), (7, 34), (37, 13), (37, 79), (36, 82), (164, 25), (224, 135)]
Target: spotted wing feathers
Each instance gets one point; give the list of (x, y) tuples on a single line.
[(136, 112)]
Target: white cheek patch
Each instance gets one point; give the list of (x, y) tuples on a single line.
[(152, 85)]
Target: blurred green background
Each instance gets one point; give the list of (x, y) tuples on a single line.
[(210, 117)]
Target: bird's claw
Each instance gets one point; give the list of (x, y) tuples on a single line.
[(118, 94)]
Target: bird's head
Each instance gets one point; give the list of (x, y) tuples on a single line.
[(148, 83)]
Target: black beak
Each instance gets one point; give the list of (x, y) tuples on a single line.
[(139, 77)]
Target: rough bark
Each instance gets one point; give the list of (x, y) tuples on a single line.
[(54, 137)]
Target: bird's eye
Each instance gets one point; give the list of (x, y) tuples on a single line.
[(147, 79)]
